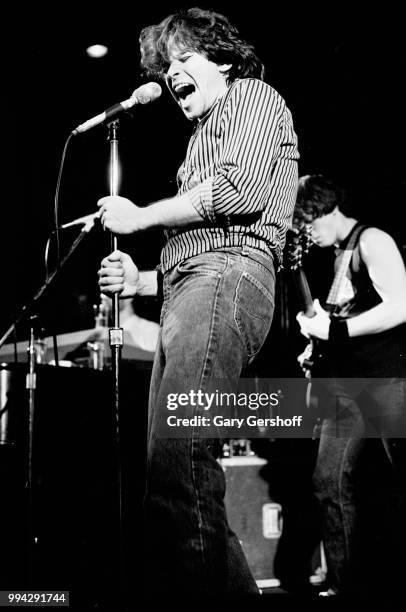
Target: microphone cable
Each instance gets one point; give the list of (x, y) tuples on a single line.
[(56, 202)]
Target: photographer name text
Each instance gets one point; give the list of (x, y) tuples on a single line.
[(221, 421)]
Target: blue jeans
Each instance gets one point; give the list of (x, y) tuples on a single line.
[(379, 413), (216, 314)]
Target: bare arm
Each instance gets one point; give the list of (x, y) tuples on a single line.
[(148, 283), (122, 216), (388, 275)]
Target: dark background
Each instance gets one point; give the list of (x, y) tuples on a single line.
[(341, 74)]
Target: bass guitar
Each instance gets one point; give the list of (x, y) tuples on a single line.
[(298, 244)]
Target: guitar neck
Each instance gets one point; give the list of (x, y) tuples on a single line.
[(303, 290)]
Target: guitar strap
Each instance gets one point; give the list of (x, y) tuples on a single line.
[(341, 273)]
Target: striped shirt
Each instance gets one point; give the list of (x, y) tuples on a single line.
[(240, 173)]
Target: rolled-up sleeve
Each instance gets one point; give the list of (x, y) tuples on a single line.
[(256, 139)]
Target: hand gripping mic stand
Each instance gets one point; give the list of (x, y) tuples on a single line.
[(116, 340)]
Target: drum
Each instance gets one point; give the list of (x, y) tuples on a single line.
[(13, 403)]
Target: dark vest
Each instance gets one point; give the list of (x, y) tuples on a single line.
[(373, 355)]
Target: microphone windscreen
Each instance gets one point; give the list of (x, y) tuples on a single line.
[(147, 93)]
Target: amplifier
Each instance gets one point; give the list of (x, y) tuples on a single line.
[(257, 520), (253, 516)]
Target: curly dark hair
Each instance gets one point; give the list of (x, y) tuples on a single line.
[(201, 31), (317, 196)]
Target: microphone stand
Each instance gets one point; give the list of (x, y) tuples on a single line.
[(116, 341), (30, 305), (30, 385)]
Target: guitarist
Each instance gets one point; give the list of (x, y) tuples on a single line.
[(361, 330)]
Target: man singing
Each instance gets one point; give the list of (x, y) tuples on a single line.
[(225, 232)]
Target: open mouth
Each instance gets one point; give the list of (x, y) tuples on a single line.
[(184, 90)]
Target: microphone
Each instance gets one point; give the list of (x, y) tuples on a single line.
[(142, 95), (80, 221)]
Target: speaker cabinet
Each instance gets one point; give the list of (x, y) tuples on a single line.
[(252, 515), (258, 521)]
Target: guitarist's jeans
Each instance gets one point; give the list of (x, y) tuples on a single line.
[(376, 417), (217, 311)]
